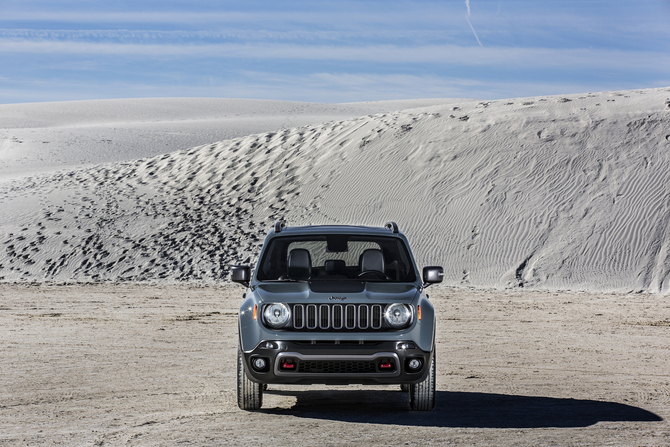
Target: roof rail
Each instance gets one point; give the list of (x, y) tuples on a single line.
[(279, 225), (392, 226)]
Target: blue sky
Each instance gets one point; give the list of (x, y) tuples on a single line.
[(329, 51)]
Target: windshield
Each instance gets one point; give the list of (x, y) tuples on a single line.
[(336, 257)]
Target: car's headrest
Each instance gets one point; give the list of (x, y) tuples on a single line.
[(299, 264), (372, 259)]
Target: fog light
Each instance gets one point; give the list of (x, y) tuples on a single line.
[(414, 364), (259, 363)]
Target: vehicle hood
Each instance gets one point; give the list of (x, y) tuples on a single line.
[(337, 292)]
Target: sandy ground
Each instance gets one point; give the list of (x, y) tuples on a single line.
[(153, 365)]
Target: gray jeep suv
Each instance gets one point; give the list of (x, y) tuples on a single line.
[(336, 305)]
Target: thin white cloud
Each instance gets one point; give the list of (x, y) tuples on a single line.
[(445, 55), (259, 19), (353, 87), (467, 17), (474, 32), (315, 87), (130, 17), (164, 36)]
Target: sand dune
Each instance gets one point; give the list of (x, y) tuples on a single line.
[(564, 192), (45, 137)]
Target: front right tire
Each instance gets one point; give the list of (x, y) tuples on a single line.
[(422, 394), (249, 393)]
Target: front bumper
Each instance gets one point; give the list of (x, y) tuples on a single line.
[(337, 363)]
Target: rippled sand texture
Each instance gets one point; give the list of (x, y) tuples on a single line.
[(563, 192)]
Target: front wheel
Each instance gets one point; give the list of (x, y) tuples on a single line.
[(249, 393), (422, 394)]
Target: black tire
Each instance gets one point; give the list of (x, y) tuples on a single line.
[(422, 394), (249, 393)]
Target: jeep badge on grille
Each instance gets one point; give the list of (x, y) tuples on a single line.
[(337, 298)]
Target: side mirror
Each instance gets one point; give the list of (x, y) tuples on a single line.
[(240, 274), (432, 275)]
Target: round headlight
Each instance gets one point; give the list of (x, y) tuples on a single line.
[(397, 315), (277, 314)]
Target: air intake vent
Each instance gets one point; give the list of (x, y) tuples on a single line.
[(336, 367)]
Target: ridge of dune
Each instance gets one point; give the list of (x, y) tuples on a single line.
[(46, 137), (557, 192)]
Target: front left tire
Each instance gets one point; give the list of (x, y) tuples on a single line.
[(249, 393), (422, 394)]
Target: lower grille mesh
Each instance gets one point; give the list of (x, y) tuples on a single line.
[(336, 367)]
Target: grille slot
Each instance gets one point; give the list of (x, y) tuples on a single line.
[(363, 316), (298, 316), (349, 317), (338, 320), (324, 316), (376, 318), (311, 316)]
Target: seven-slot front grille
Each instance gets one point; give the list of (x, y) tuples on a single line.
[(348, 317)]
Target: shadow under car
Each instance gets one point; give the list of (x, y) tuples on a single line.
[(459, 409)]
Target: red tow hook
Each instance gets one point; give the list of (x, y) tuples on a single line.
[(287, 365), (385, 365)]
